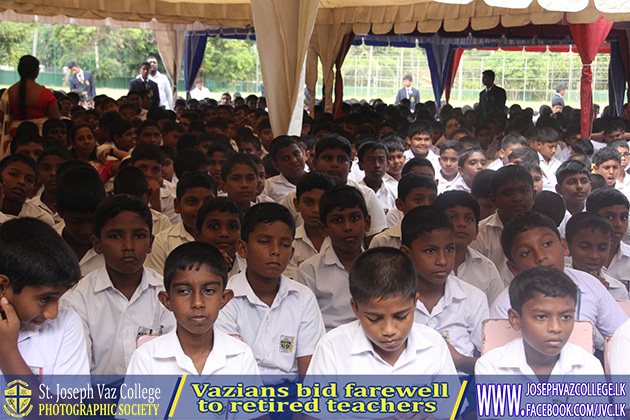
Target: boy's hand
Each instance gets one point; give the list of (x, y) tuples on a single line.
[(228, 260), (154, 201), (462, 363), (9, 326)]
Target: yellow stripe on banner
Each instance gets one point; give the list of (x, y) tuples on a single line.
[(179, 391), (459, 399)]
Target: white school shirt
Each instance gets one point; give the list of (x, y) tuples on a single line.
[(510, 360), (496, 164), (279, 334), (165, 242), (387, 194), (160, 222), (549, 169), (444, 185), (594, 304), (239, 264), (347, 351), (58, 348), (277, 188), (31, 210), (619, 267), (478, 270), (433, 157), (37, 202), (167, 202), (618, 350), (562, 229), (90, 261), (460, 185), (616, 288), (303, 249), (394, 216), (165, 356), (391, 237), (457, 316), (328, 280), (374, 207), (356, 174), (112, 323), (488, 243)]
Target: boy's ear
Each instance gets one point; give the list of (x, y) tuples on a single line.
[(515, 319), (5, 283), (460, 170), (96, 244), (196, 234), (501, 154), (165, 300), (241, 248), (228, 294), (565, 247), (368, 223), (405, 249), (558, 188), (512, 267), (176, 205), (355, 308), (400, 205), (295, 204)]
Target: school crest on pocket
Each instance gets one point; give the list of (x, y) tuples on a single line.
[(286, 344)]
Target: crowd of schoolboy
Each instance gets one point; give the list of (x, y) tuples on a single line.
[(257, 260)]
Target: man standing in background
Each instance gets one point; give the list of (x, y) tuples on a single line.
[(82, 82), (408, 92), (492, 97), (164, 85)]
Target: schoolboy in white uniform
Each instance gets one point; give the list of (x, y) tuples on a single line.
[(543, 349), (288, 158), (122, 292), (283, 326), (419, 138), (36, 269), (195, 275), (532, 240), (364, 346)]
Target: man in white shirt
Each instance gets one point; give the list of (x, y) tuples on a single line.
[(199, 92)]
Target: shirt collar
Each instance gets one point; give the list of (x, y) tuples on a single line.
[(241, 288), (180, 231), (495, 220), (103, 281)]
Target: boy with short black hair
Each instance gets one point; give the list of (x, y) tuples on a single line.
[(171, 132), (49, 160), (470, 265), (623, 182), (131, 180), (194, 189), (542, 350), (512, 192), (508, 144), (480, 189), (419, 139), (249, 145), (613, 205), (448, 175), (537, 175), (414, 189), (309, 239), (288, 158), (190, 160), (532, 240), (449, 305), (36, 269), (148, 132), (219, 223), (589, 236), (240, 179), (383, 290), (469, 164), (79, 191), (374, 162), (123, 291), (195, 276), (574, 186), (276, 316), (28, 145), (19, 176), (396, 155), (344, 218), (218, 153), (547, 141), (607, 163)]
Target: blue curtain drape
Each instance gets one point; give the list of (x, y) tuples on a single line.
[(616, 79), (194, 50), (439, 58)]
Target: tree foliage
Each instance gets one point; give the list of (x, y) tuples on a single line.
[(229, 60), (15, 41)]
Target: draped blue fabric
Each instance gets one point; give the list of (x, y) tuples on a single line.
[(616, 79), (439, 58), (194, 50)]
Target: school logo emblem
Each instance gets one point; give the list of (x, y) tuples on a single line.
[(286, 344), (17, 397)]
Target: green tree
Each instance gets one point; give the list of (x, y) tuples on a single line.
[(229, 60), (15, 41)]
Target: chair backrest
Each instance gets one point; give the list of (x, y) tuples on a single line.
[(625, 305), (498, 332), (144, 339)]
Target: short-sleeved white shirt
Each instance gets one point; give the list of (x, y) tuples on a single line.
[(277, 188), (488, 243), (112, 323), (549, 169), (457, 316), (387, 194), (594, 304), (433, 157), (619, 267), (31, 210), (164, 243), (167, 202), (328, 280), (616, 288), (58, 348), (510, 360), (279, 334), (165, 356), (479, 271), (303, 249), (460, 185), (160, 222), (37, 202), (445, 185), (347, 351), (391, 237), (618, 350), (394, 216)]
